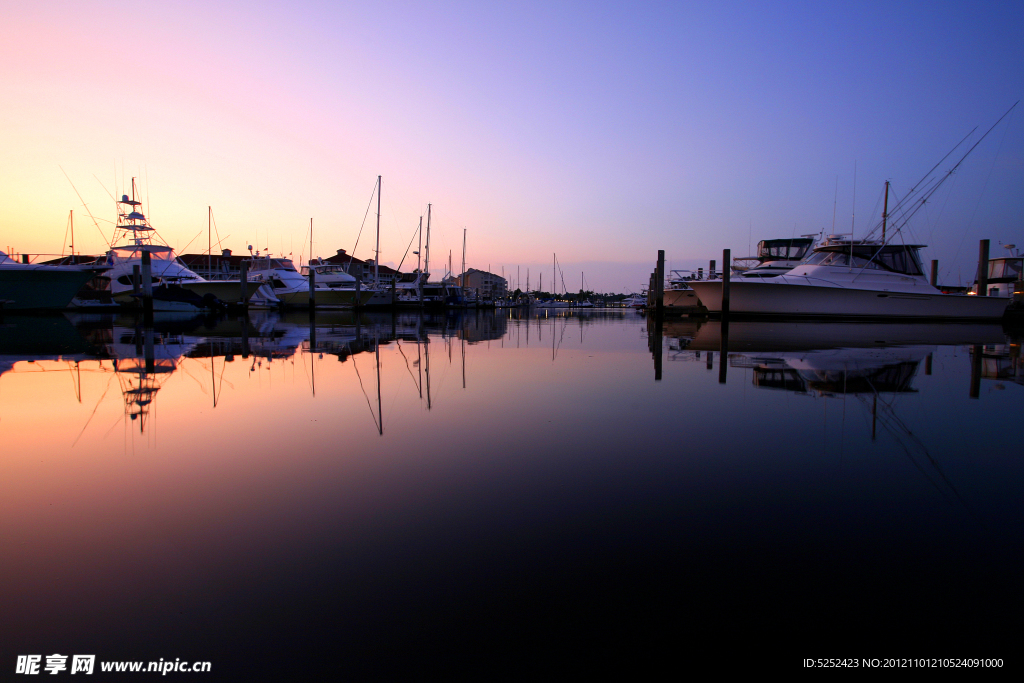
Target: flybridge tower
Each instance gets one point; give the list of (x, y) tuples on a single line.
[(132, 224)]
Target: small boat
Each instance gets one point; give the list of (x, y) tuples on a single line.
[(678, 294), (636, 301)]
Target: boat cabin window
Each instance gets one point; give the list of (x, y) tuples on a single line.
[(897, 259), (1005, 268), (134, 253), (791, 250)]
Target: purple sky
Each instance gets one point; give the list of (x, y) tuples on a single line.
[(600, 132)]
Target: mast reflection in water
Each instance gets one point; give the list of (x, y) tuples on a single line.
[(504, 492)]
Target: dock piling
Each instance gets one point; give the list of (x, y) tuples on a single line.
[(726, 266), (243, 276), (312, 291), (659, 283), (983, 268)]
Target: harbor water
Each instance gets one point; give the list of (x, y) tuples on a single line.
[(505, 493)]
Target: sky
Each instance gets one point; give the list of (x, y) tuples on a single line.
[(600, 132)]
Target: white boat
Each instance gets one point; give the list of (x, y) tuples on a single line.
[(30, 286), (850, 279), (292, 289), (868, 278), (678, 293), (334, 276), (180, 289), (635, 301)]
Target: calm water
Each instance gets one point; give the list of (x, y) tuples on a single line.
[(483, 494)]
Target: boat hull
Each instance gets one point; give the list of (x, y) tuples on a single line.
[(774, 298), (227, 291), (40, 288), (325, 298), (679, 299)]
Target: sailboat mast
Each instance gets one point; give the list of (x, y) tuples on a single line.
[(376, 260), (419, 251), (209, 243), (462, 278), (71, 217), (426, 262)]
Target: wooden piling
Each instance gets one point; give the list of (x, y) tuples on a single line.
[(659, 280), (243, 275), (312, 289), (147, 281), (983, 268), (977, 353), (935, 273), (726, 263)]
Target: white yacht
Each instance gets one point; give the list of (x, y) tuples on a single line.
[(334, 276), (180, 288), (850, 279), (636, 301), (292, 288)]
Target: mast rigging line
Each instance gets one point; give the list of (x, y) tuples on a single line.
[(86, 206), (920, 196), (363, 224)]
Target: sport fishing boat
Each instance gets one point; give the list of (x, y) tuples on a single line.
[(867, 278), (176, 288), (845, 278)]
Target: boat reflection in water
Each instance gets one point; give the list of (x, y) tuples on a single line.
[(394, 493), (827, 358)]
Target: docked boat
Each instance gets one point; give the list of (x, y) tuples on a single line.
[(678, 294), (635, 301), (1003, 274), (176, 288), (31, 286), (334, 276), (292, 289), (846, 278)]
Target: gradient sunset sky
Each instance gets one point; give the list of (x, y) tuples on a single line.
[(598, 131)]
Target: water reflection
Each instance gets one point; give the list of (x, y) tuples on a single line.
[(273, 493)]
